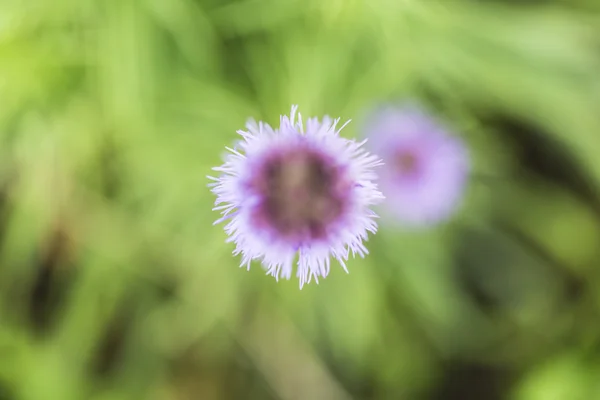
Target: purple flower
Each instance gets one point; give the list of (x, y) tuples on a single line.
[(425, 168), (295, 191)]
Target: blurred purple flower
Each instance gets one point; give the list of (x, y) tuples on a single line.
[(288, 191), (425, 168)]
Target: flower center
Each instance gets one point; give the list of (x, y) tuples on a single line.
[(407, 162), (302, 193)]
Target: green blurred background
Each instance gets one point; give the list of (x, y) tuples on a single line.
[(115, 285)]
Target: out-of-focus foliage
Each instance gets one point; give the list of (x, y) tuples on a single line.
[(115, 285)]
